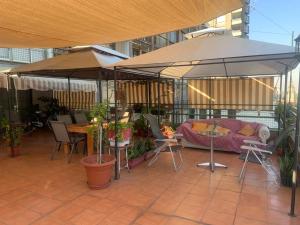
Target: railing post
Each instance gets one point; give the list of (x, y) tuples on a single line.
[(181, 118), (296, 151), (69, 93), (173, 113), (117, 174), (158, 97)]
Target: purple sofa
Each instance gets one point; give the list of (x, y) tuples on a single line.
[(230, 142)]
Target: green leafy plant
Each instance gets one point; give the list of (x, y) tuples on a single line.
[(149, 145), (11, 134), (286, 162), (290, 116), (137, 150), (140, 126), (98, 113), (121, 126)]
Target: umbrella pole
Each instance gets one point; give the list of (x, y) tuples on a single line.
[(285, 97), (296, 153)]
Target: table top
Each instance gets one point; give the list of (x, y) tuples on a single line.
[(79, 128)]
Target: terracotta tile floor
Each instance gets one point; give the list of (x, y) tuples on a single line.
[(37, 191)]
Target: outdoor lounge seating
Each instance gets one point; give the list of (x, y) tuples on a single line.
[(164, 144), (260, 152), (62, 136), (230, 142)]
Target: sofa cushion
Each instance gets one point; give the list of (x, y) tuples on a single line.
[(222, 130), (199, 127), (247, 130)]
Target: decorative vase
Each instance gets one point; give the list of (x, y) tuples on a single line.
[(98, 175)]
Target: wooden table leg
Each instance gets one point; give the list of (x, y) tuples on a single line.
[(90, 144)]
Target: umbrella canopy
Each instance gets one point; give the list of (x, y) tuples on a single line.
[(215, 56), (81, 63), (63, 23)]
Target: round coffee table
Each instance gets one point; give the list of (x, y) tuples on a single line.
[(211, 163)]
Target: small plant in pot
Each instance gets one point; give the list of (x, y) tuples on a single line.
[(286, 162), (123, 135), (136, 154), (149, 147), (140, 126), (98, 167), (13, 136)]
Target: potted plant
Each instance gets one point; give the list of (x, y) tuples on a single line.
[(140, 127), (13, 135), (98, 167), (136, 154), (286, 162), (149, 147), (123, 135)]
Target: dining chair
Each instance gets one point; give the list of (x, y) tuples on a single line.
[(67, 119), (62, 136), (80, 118)]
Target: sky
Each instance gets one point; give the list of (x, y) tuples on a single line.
[(274, 21)]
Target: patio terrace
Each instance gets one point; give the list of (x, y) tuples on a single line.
[(35, 190)]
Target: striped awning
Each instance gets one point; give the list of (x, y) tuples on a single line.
[(78, 99), (137, 92), (58, 84), (3, 81), (232, 93)]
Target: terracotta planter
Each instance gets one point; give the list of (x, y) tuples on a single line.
[(132, 163), (98, 175), (149, 155)]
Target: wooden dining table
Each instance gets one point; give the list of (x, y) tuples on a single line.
[(82, 129)]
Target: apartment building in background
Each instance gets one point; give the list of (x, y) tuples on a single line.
[(11, 57)]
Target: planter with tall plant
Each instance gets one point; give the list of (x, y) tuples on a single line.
[(12, 135), (98, 167)]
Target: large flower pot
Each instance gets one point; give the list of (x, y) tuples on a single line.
[(98, 175)]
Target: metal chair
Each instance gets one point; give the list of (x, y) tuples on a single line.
[(164, 144), (62, 136), (255, 153), (80, 118)]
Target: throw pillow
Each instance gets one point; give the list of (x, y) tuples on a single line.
[(222, 130), (199, 126), (247, 130)]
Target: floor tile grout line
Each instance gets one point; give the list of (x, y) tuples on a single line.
[(48, 213)]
